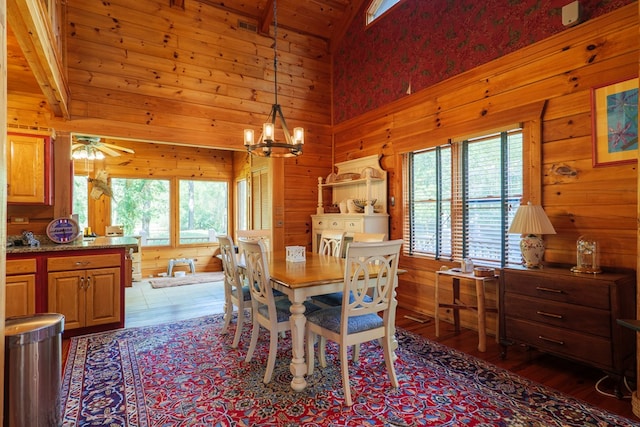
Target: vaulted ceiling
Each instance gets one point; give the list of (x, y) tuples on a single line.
[(325, 19)]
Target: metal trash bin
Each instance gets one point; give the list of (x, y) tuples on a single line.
[(33, 367)]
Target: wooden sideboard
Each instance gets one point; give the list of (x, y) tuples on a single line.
[(368, 182), (570, 315)]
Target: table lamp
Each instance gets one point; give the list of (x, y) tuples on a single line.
[(532, 223)]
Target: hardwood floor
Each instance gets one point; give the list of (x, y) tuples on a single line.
[(145, 306)]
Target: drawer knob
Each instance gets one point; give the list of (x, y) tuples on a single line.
[(80, 263), (544, 313), (543, 338)]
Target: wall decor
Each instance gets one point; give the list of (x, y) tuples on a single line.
[(614, 112)]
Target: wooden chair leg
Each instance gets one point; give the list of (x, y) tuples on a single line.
[(228, 312), (344, 363), (239, 325), (271, 360), (311, 338), (254, 341)]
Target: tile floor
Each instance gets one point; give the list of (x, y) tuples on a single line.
[(145, 305)]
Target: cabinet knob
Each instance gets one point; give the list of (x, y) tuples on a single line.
[(82, 283)]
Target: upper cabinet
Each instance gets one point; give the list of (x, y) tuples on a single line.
[(360, 180), (28, 169)]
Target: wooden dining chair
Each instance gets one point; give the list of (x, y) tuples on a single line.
[(331, 243), (335, 298), (268, 312), (357, 320), (236, 292)]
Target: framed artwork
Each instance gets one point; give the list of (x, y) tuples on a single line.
[(614, 112)]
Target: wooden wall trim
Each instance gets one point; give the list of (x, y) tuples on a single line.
[(31, 27)]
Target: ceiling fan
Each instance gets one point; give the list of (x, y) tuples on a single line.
[(92, 147)]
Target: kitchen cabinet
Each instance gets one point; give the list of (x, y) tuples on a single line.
[(85, 289), (28, 169), (21, 287), (571, 315), (356, 179)]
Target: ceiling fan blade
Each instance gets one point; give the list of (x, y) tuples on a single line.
[(117, 147), (106, 150)]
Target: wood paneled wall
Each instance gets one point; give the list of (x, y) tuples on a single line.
[(146, 71), (161, 161), (559, 71)]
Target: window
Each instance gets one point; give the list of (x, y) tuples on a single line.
[(81, 200), (462, 196), (242, 205), (143, 208), (379, 7), (203, 210)]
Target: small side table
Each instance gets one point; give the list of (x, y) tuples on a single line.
[(456, 305), (188, 261)]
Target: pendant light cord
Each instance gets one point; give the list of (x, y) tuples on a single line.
[(275, 50)]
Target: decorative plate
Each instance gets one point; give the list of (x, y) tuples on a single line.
[(63, 230)]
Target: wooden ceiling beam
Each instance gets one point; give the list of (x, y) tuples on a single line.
[(31, 26), (350, 13), (178, 4), (266, 18)]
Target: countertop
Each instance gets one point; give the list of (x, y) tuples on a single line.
[(96, 243)]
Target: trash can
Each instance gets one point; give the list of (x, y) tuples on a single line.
[(32, 370)]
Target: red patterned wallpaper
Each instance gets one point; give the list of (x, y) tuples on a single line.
[(423, 42)]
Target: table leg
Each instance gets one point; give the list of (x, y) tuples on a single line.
[(298, 365), (482, 321), (437, 305), (456, 298)]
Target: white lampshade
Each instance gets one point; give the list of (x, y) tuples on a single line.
[(531, 222), (531, 219)]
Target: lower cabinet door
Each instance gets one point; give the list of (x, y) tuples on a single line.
[(102, 296), (21, 295), (85, 297)]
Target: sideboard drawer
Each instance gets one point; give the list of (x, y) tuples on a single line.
[(320, 224), (564, 342), (573, 290), (577, 318), (335, 224), (354, 225)]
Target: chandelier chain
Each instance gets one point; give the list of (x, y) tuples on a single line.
[(275, 49)]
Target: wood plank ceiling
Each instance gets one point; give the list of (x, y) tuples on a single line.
[(325, 19)]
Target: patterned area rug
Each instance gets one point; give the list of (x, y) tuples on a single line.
[(186, 374), (189, 279)]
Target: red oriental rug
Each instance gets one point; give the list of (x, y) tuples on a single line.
[(186, 374)]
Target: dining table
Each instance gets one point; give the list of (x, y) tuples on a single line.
[(301, 280)]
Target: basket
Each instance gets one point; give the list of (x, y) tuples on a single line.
[(296, 253), (484, 272)]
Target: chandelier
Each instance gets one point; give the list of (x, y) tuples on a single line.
[(267, 145)]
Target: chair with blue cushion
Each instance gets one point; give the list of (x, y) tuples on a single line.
[(268, 312), (335, 299), (236, 293), (331, 243), (367, 265)]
